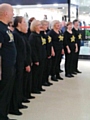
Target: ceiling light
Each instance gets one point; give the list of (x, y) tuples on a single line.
[(39, 5), (55, 4)]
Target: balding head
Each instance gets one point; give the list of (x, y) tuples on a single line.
[(6, 13)]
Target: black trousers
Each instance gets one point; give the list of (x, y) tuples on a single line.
[(55, 63), (76, 59), (17, 95), (35, 77), (27, 84), (69, 62), (47, 69), (6, 88), (41, 72)]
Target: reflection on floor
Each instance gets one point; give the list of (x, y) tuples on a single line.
[(65, 100)]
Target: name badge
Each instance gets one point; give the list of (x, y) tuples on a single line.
[(10, 36)]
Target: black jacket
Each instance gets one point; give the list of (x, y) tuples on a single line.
[(28, 60), (36, 47), (20, 47)]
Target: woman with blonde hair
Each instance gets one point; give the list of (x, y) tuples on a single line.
[(57, 42), (47, 49), (36, 42)]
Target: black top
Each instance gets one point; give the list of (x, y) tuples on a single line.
[(57, 39), (20, 46), (69, 40), (28, 60), (78, 35), (48, 44), (36, 47), (8, 49)]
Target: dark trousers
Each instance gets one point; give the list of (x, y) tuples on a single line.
[(69, 62), (27, 84), (35, 77), (17, 95), (76, 59), (6, 88), (41, 72), (47, 69), (55, 63)]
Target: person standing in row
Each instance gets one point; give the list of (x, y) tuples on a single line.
[(7, 60), (27, 79), (17, 98), (70, 48), (62, 53), (36, 46), (78, 37), (48, 48), (57, 39)]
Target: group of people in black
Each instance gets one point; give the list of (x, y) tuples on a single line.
[(29, 56)]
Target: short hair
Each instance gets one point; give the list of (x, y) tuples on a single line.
[(33, 25), (44, 21), (75, 21), (69, 23), (54, 22), (17, 19)]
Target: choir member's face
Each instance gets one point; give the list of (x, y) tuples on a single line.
[(23, 26), (76, 24), (38, 26), (45, 25), (69, 27), (57, 26)]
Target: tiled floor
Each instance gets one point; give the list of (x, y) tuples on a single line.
[(65, 100)]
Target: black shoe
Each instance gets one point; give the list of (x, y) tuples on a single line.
[(26, 101), (23, 107), (32, 97), (61, 71), (42, 90), (72, 75), (58, 77), (46, 84), (53, 78), (50, 83), (68, 75), (75, 73), (36, 92), (78, 71), (15, 112)]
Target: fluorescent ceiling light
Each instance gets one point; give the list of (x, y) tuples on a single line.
[(39, 5), (55, 4)]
